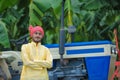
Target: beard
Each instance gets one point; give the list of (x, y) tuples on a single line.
[(36, 40)]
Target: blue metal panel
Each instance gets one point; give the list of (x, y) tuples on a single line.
[(83, 51), (97, 67), (79, 44)]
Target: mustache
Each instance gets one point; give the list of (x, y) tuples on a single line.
[(37, 37)]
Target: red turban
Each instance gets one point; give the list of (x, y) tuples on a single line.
[(32, 30)]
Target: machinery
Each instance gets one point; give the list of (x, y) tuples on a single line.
[(81, 61)]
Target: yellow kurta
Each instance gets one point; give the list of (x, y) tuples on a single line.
[(36, 60)]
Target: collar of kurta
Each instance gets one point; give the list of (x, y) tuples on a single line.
[(33, 43)]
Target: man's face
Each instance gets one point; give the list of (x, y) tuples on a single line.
[(37, 36)]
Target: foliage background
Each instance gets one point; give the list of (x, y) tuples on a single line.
[(94, 19)]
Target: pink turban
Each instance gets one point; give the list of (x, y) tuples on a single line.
[(32, 30)]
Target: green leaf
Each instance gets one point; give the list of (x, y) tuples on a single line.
[(4, 40), (34, 15), (15, 30), (43, 5), (75, 5), (7, 4), (56, 6), (93, 4)]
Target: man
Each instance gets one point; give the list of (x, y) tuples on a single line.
[(36, 57)]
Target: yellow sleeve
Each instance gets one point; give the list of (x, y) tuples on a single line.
[(26, 60), (46, 63)]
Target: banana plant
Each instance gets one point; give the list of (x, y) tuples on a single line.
[(104, 20), (94, 20), (14, 18), (4, 40)]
